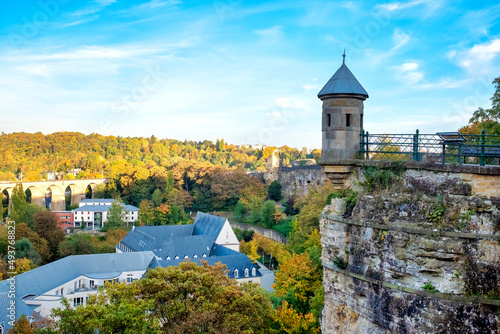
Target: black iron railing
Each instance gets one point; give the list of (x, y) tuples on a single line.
[(445, 147)]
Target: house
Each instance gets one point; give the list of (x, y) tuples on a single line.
[(66, 219), (210, 238), (74, 277), (92, 213)]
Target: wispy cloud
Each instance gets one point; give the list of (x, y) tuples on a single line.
[(272, 33), (429, 6), (408, 73)]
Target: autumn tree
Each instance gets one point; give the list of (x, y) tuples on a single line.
[(187, 298), (76, 244), (487, 119), (47, 226), (290, 321), (18, 204)]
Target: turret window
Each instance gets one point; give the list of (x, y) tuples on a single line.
[(347, 119), (329, 120)]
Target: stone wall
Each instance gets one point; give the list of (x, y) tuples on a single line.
[(296, 180), (434, 229)]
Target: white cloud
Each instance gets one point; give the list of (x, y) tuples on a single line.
[(408, 73), (480, 57), (430, 6), (272, 33)]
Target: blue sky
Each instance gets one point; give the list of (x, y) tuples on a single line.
[(246, 71)]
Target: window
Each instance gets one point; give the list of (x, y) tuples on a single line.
[(77, 301), (235, 273), (347, 119), (129, 278), (62, 291), (186, 257), (176, 258), (168, 258), (246, 272), (328, 120), (361, 121), (204, 255), (254, 272), (92, 284), (195, 256)]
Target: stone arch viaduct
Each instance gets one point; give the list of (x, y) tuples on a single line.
[(56, 188)]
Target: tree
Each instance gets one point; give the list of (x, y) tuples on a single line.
[(267, 213), (292, 322), (240, 211), (487, 119), (297, 280), (18, 206), (2, 210), (274, 191), (25, 249), (76, 244), (47, 226), (187, 298), (115, 215), (146, 212), (156, 197)]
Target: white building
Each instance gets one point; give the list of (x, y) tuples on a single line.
[(93, 213)]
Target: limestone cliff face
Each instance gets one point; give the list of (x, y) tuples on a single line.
[(420, 257)]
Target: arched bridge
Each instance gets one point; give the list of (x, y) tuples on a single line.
[(51, 194)]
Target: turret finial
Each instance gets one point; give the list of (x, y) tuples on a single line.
[(343, 62)]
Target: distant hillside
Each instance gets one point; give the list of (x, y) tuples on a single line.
[(34, 154)]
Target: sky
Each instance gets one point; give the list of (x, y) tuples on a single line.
[(246, 71)]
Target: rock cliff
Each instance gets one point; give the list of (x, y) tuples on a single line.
[(420, 253)]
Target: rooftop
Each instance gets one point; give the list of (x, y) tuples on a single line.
[(343, 82)]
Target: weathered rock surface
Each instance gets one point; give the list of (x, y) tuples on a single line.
[(425, 230)]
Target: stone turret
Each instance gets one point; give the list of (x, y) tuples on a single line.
[(342, 119)]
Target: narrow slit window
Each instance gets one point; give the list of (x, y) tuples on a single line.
[(329, 120), (361, 121), (348, 120)]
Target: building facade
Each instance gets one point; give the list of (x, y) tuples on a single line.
[(93, 213)]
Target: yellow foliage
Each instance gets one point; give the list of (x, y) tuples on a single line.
[(23, 265), (292, 322)]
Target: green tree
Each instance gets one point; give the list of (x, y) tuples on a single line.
[(487, 119), (240, 211), (157, 197), (76, 244), (25, 249), (18, 206), (267, 213), (146, 212), (274, 191), (115, 215)]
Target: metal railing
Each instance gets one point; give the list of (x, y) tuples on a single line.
[(432, 148)]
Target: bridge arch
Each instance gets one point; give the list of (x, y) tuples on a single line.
[(7, 194), (36, 196), (90, 190), (73, 194), (54, 198)]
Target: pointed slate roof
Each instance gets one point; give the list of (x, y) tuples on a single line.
[(343, 82)]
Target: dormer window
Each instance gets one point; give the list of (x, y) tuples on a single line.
[(235, 273), (254, 272), (204, 255), (176, 258), (195, 256), (186, 257), (168, 258), (246, 272)]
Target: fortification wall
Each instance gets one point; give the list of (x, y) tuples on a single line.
[(421, 255), (296, 180)]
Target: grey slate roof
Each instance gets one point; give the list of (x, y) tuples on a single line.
[(232, 262), (97, 200), (48, 277), (21, 308), (343, 82), (208, 224), (104, 208)]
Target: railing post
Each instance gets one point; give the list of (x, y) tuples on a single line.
[(367, 150), (481, 159), (415, 146), (362, 144)]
